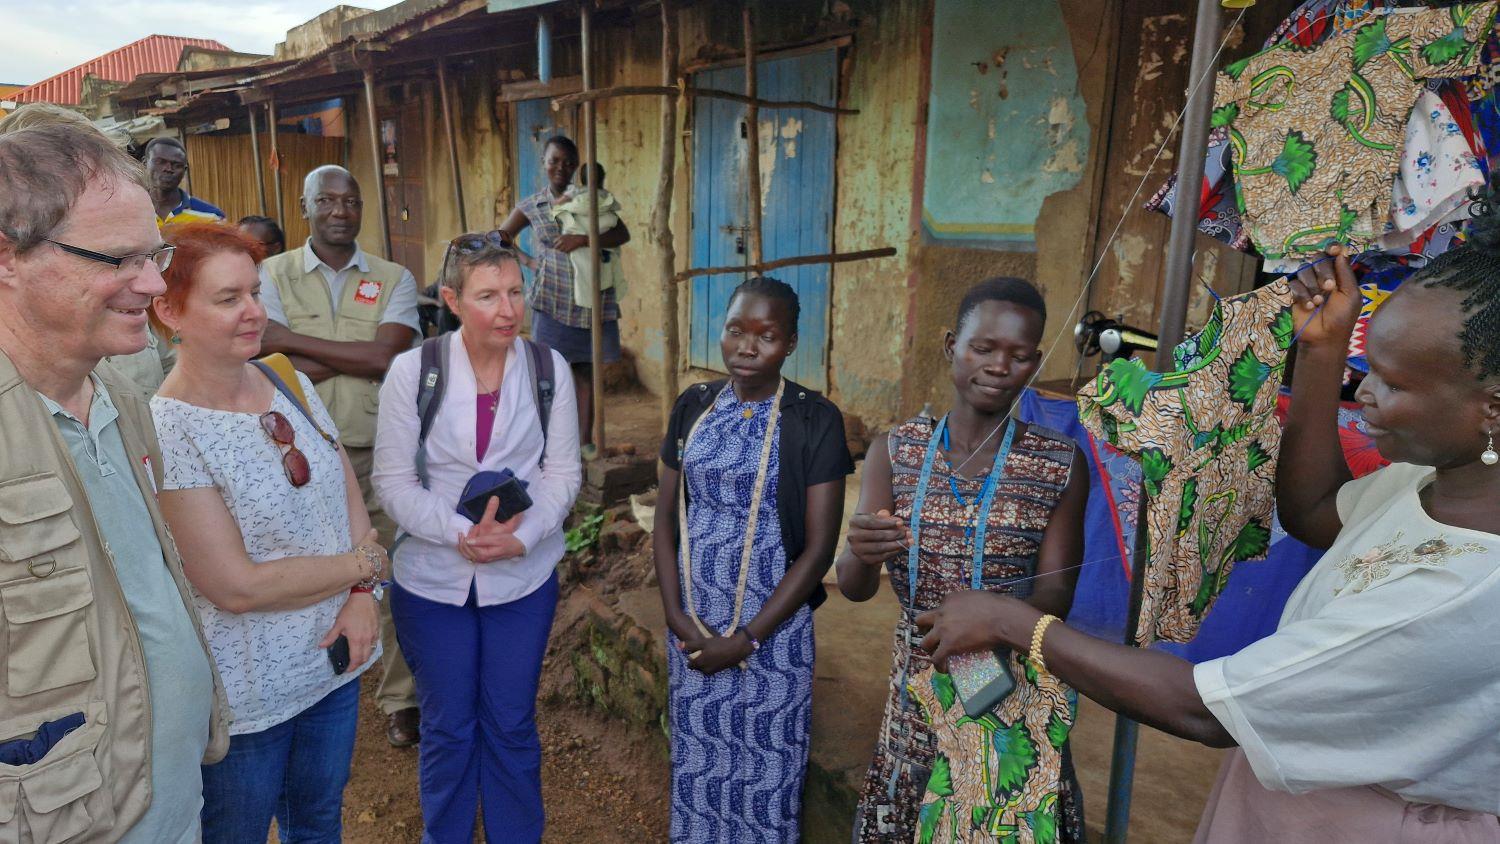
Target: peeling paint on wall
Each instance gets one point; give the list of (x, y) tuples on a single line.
[(1000, 141)]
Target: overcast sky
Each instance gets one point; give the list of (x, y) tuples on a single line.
[(41, 37)]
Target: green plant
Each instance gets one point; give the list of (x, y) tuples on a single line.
[(585, 534)]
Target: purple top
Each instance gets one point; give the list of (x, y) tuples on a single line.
[(484, 423)]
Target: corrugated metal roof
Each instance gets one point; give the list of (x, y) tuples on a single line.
[(152, 54)]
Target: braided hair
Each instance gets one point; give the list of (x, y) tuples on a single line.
[(775, 290), (1474, 269)]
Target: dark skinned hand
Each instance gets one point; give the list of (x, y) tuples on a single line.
[(1326, 300), (971, 621), (571, 242), (715, 653), (875, 538)]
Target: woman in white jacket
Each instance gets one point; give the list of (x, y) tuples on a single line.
[(474, 602)]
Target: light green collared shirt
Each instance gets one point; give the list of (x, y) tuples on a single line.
[(180, 679)]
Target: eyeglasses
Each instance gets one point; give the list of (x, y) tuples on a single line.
[(325, 203), (293, 461), (161, 256)]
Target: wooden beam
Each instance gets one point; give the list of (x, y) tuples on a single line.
[(690, 91), (767, 266), (533, 88), (591, 142), (377, 160), (752, 139), (260, 173), (276, 164), (661, 215), (458, 181)]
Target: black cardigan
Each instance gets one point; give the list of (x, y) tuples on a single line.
[(813, 451)]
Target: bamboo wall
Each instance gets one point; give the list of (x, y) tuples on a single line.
[(223, 173)]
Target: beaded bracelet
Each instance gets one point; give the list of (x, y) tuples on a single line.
[(373, 557), (1035, 654)]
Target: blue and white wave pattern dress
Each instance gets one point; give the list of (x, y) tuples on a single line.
[(740, 736)]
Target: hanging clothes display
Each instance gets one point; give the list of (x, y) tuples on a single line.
[(1207, 440), (1317, 134)]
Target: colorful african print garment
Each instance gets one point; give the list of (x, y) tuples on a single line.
[(1207, 439), (905, 768), (998, 777), (1317, 134)]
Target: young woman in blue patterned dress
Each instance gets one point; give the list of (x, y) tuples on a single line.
[(763, 463)]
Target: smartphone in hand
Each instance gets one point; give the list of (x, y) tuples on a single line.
[(338, 654)]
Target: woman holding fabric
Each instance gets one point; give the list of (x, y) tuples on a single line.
[(474, 597), (555, 318), (1369, 715), (976, 500), (276, 542), (752, 492)]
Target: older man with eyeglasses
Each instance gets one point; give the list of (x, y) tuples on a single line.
[(341, 315), (110, 701)]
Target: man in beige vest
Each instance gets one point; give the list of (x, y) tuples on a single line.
[(341, 315), (109, 701)]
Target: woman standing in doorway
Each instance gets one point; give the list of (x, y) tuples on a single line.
[(555, 319), (997, 505), (740, 561)]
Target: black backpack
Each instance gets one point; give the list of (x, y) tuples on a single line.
[(430, 390)]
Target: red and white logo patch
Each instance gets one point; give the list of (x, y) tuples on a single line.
[(368, 292)]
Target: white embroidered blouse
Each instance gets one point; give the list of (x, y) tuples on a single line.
[(1385, 669)]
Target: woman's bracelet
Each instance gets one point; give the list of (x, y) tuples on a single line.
[(372, 560), (1037, 633)]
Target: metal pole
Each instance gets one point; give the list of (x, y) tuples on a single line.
[(458, 181), (752, 142), (543, 48), (260, 174), (377, 158), (1172, 317), (590, 141), (276, 168)]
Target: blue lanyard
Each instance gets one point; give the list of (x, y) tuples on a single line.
[(986, 500)]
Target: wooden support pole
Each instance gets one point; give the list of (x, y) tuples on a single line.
[(752, 142), (558, 103), (260, 173), (661, 215), (590, 140), (276, 165), (188, 175), (767, 266), (377, 159), (458, 181)]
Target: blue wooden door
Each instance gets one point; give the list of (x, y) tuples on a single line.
[(535, 123), (796, 167)]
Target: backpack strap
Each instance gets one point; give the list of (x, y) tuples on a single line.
[(544, 377), (430, 395), (279, 371)]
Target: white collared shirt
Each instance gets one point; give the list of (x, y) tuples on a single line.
[(428, 563), (401, 309)]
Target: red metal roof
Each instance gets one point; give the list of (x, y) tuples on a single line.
[(152, 54)]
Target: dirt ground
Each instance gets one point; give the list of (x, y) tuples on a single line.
[(605, 781)]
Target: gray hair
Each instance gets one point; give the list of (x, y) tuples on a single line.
[(458, 265), (43, 114), (45, 168), (315, 177)]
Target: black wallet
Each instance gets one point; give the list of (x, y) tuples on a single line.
[(503, 485)]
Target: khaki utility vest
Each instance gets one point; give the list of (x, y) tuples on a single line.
[(305, 298), (70, 644)]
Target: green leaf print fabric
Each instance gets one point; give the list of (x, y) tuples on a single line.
[(1317, 132), (1207, 439)]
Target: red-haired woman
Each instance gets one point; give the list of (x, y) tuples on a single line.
[(276, 543)]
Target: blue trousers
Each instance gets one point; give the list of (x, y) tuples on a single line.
[(477, 670), (295, 771)]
